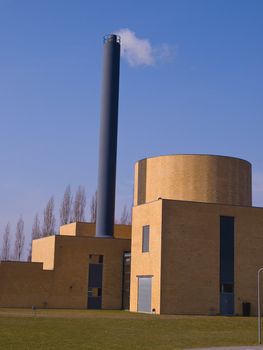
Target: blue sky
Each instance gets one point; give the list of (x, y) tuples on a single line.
[(202, 93)]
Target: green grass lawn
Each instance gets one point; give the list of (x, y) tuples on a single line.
[(73, 329)]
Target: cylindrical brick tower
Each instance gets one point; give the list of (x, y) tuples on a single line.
[(198, 178)]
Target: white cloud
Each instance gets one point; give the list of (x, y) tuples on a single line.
[(139, 51)]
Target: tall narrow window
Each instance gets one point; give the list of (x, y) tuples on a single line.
[(95, 277), (145, 238), (227, 249), (126, 281)]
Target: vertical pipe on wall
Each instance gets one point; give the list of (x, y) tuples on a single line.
[(108, 137)]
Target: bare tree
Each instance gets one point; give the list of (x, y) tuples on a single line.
[(49, 221), (79, 205), (65, 207), (5, 254), (36, 230), (35, 233), (125, 216), (19, 240), (93, 208)]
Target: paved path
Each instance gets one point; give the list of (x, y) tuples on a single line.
[(258, 347)]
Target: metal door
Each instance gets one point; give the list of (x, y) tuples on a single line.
[(145, 294), (227, 304)]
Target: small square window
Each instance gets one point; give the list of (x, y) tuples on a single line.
[(145, 238)]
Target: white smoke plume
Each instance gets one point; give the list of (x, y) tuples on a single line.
[(139, 51)]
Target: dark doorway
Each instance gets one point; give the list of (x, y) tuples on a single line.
[(126, 280), (95, 281), (227, 265)]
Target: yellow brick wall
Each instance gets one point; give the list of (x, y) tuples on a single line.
[(72, 268), (27, 284), (24, 284), (191, 261), (43, 251), (248, 256), (184, 256), (88, 229), (146, 263)]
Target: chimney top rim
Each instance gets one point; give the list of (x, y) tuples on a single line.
[(114, 38)]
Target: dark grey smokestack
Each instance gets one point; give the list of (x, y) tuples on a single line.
[(108, 137)]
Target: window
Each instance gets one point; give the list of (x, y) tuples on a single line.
[(145, 238), (227, 265), (95, 279), (227, 288), (227, 244), (126, 280)]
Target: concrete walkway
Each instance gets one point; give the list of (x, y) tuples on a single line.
[(258, 347)]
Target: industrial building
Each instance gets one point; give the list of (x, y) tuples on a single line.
[(196, 239), (194, 246)]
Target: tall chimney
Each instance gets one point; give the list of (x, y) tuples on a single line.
[(108, 137)]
